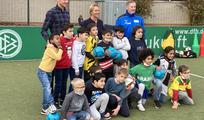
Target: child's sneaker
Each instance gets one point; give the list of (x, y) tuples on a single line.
[(107, 116), (140, 107), (57, 105), (43, 112), (51, 109), (157, 104)]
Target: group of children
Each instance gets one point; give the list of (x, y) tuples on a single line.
[(102, 85)]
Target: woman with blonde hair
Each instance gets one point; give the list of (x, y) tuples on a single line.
[(94, 11)]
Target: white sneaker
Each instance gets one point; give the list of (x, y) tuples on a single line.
[(51, 109), (140, 107)]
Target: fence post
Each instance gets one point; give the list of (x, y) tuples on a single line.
[(28, 12)]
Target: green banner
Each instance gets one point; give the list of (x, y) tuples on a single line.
[(21, 43), (24, 43), (183, 36)]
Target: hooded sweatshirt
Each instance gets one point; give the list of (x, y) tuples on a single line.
[(78, 55)]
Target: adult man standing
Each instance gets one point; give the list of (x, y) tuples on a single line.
[(56, 18), (129, 20)]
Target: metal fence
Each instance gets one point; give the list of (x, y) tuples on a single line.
[(16, 12)]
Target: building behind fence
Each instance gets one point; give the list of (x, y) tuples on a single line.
[(163, 12)]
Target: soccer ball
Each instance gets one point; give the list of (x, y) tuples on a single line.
[(129, 82), (118, 57), (53, 116), (98, 51), (112, 52), (159, 74)]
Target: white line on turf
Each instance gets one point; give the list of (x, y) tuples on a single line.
[(197, 76)]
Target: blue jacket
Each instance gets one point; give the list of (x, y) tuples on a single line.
[(128, 22)]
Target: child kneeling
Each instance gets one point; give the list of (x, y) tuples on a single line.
[(180, 89), (97, 97)]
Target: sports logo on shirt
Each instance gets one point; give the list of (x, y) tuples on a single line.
[(126, 22), (10, 43)]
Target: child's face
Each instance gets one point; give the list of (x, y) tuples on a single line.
[(185, 74), (69, 33), (56, 40), (119, 34), (170, 55), (79, 87), (107, 37), (83, 37), (94, 31), (139, 33), (148, 61), (100, 83), (121, 77), (124, 65)]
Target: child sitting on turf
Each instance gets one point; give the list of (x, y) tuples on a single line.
[(129, 82), (97, 97), (52, 53), (167, 62), (120, 42), (181, 89), (75, 105), (116, 88), (144, 73)]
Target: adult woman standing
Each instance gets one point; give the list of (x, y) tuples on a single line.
[(94, 11)]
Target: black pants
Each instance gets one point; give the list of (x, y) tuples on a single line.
[(133, 97), (87, 76), (113, 103)]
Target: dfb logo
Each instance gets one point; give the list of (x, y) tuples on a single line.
[(10, 43)]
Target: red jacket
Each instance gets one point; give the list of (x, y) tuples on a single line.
[(65, 61)]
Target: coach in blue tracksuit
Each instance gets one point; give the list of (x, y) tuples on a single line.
[(129, 20)]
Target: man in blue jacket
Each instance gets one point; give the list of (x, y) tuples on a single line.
[(129, 20)]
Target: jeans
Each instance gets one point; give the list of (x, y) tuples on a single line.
[(157, 89), (61, 76), (82, 115), (183, 95), (45, 79)]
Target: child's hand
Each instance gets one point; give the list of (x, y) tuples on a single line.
[(50, 45), (115, 111), (175, 105), (134, 78), (91, 118), (191, 100), (158, 68), (130, 86), (106, 53), (77, 73)]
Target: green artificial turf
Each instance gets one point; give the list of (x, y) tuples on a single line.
[(21, 93)]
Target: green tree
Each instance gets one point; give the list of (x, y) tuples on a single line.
[(196, 11), (144, 7)]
